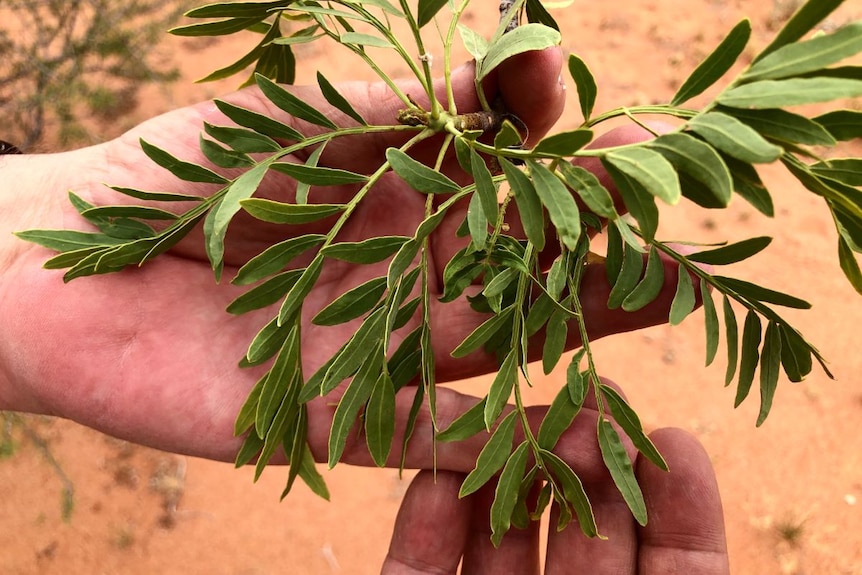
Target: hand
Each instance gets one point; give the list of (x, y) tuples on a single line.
[(435, 531), (149, 354)]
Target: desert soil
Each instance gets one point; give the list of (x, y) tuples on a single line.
[(792, 490)]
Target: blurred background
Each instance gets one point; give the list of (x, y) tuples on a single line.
[(77, 72)]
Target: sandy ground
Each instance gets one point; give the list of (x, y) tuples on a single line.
[(792, 490)]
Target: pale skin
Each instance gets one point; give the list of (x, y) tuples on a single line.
[(149, 355)]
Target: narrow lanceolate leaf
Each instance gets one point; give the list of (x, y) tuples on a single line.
[(795, 354), (236, 9), (716, 64), (735, 138), (649, 287), (522, 39), (183, 170), (732, 331), (361, 39), (355, 352), (217, 28), (501, 389), (573, 491), (368, 251), (258, 122), (467, 425), (529, 205), (483, 333), (732, 253), (618, 463), (355, 396), (711, 323), (784, 127), (267, 341), (380, 420), (485, 188), (419, 176), (352, 304), (585, 83), (626, 417), (751, 336), (294, 298), (333, 96), (318, 175), (266, 294), (558, 419), (506, 493), (588, 187), (309, 474), (475, 44), (627, 279), (700, 161), (155, 196), (556, 333), (561, 207), (222, 156), (477, 222), (292, 104), (245, 417), (427, 9), (275, 387), (242, 140), (564, 143), (275, 258), (793, 92), (576, 382), (637, 199), (282, 213), (770, 368), (683, 300), (67, 240), (803, 21), (845, 170), (755, 292), (849, 264), (492, 457), (844, 125), (809, 56)]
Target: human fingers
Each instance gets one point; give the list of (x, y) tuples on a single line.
[(431, 527), (685, 532)]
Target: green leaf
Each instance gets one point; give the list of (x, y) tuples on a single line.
[(483, 333), (67, 240), (258, 122), (849, 264), (620, 466), (784, 126), (747, 183), (361, 39), (318, 176), (755, 292), (639, 202), (355, 351), (576, 381), (292, 104), (251, 446), (223, 157), (626, 417), (536, 12), (237, 9), (427, 9), (275, 387), (558, 419), (142, 212), (614, 255), (380, 420), (275, 258), (700, 161), (564, 143), (352, 304), (560, 204), (358, 392), (246, 415), (809, 56), (217, 28), (466, 425), (508, 136), (475, 44), (368, 251), (156, 196), (751, 334), (402, 260), (242, 140), (492, 457), (506, 493), (793, 92), (588, 187), (522, 39), (183, 170), (843, 125), (803, 20), (294, 298), (267, 341), (281, 213), (845, 170), (267, 293), (735, 138), (529, 205), (770, 366), (501, 388), (555, 341), (683, 300), (711, 322), (419, 176), (585, 84), (649, 287), (485, 188), (295, 442), (309, 474), (731, 327), (573, 491), (627, 279), (477, 222), (716, 64), (732, 253), (337, 100), (795, 354)]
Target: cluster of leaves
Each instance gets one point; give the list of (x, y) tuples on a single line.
[(67, 60), (706, 159)]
